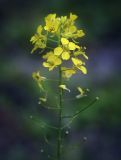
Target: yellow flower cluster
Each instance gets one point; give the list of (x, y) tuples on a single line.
[(64, 33)]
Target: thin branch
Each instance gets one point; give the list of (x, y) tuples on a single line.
[(44, 124), (67, 116), (79, 112), (85, 108), (53, 108), (50, 126)]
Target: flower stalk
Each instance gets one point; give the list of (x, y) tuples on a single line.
[(59, 136), (66, 48)]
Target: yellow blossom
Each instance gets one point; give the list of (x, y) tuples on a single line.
[(38, 78), (63, 19), (42, 99), (79, 64), (81, 92), (67, 72), (81, 52), (63, 86), (72, 29), (63, 32), (69, 28), (60, 52), (39, 39), (78, 34), (83, 69), (73, 17), (69, 45), (64, 51), (48, 54), (52, 62), (52, 23)]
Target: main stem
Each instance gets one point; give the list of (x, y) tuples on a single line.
[(59, 138)]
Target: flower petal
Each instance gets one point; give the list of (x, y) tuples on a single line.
[(77, 61), (83, 69), (65, 56), (39, 29), (45, 64), (67, 72), (72, 29), (80, 90), (58, 51), (73, 17), (64, 41), (58, 61), (71, 46)]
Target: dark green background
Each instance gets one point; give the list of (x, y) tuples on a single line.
[(21, 137)]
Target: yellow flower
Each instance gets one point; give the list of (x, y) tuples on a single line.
[(38, 78), (52, 23), (64, 31), (36, 36), (72, 29), (63, 86), (63, 19), (83, 69), (69, 30), (39, 40), (47, 55), (81, 52), (81, 92), (42, 99), (69, 45), (64, 50), (67, 72), (79, 64), (72, 32), (52, 62), (73, 17), (78, 34)]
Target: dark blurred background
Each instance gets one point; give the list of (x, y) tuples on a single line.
[(98, 129)]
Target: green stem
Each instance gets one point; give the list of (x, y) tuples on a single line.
[(80, 111), (59, 136), (52, 40)]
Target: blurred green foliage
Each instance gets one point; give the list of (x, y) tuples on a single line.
[(21, 135)]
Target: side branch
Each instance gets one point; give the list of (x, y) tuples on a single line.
[(79, 112)]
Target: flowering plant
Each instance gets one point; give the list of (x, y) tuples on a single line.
[(63, 32)]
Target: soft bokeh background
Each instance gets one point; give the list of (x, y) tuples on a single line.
[(98, 129)]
